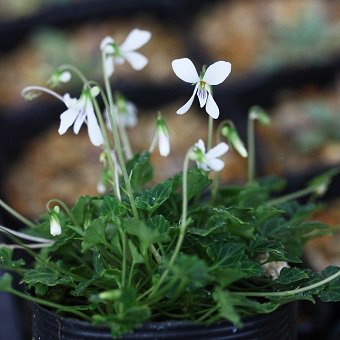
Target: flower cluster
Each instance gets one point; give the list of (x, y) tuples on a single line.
[(185, 247)]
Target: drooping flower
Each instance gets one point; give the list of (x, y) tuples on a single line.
[(125, 113), (209, 160), (55, 227), (115, 54), (230, 132), (79, 111), (59, 77), (215, 74), (161, 137)]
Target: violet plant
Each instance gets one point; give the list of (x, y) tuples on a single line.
[(187, 248)]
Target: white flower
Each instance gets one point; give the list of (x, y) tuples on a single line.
[(209, 161), (114, 54), (125, 113), (79, 111), (215, 74), (55, 227), (163, 136)]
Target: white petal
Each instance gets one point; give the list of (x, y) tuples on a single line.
[(69, 102), (65, 77), (185, 70), (94, 91), (217, 72), (136, 39), (107, 41), (188, 104), (55, 228), (217, 151), (67, 118), (203, 166), (200, 145), (137, 60), (108, 65), (202, 96), (211, 107), (164, 144), (215, 164), (81, 114), (93, 128)]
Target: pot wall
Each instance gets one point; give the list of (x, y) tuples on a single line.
[(281, 324)]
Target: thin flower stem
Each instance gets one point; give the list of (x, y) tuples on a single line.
[(107, 146), (65, 207), (25, 236), (183, 225), (125, 141), (210, 132), (56, 306), (153, 143), (251, 148), (117, 142), (16, 214), (28, 245), (292, 196), (290, 292), (28, 89)]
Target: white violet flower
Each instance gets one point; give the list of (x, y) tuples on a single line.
[(215, 74), (125, 113), (79, 111), (55, 227), (209, 160), (114, 54), (163, 136)]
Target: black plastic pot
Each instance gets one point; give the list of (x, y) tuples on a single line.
[(281, 324)]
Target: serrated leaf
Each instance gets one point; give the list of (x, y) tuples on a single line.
[(331, 292), (140, 170), (145, 234), (6, 259), (161, 224), (151, 199), (94, 235), (225, 254), (81, 209), (45, 276), (290, 275), (112, 207)]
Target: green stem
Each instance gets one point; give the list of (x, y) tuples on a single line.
[(16, 214), (292, 196), (210, 132), (126, 142), (67, 67), (290, 292), (251, 148), (123, 281), (118, 146), (183, 223), (50, 304)]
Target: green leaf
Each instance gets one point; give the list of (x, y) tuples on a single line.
[(151, 199), (161, 225), (112, 207), (81, 209), (226, 307), (94, 235), (145, 234), (198, 180), (135, 254), (45, 276), (225, 254), (140, 171), (331, 292), (6, 282), (6, 259), (290, 275)]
